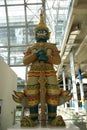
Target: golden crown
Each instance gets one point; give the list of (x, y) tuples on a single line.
[(41, 24)]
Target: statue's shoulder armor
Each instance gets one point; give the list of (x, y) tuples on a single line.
[(36, 46), (32, 46), (50, 45), (47, 45)]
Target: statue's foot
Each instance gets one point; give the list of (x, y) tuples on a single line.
[(28, 122), (58, 122)]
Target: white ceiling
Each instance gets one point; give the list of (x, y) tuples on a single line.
[(78, 20)]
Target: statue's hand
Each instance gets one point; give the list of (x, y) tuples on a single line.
[(43, 58), (40, 52)]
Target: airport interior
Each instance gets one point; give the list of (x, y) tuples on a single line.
[(67, 23)]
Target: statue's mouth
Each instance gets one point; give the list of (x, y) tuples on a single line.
[(41, 34)]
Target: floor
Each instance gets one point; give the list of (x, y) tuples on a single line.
[(69, 115)]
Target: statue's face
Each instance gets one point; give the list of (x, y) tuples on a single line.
[(41, 35)]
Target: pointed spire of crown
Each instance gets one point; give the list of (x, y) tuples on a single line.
[(41, 18), (41, 24)]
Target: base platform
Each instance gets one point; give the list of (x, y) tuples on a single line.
[(69, 126)]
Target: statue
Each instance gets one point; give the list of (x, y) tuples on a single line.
[(42, 87)]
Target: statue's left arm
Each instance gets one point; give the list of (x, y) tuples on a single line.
[(29, 56), (53, 55)]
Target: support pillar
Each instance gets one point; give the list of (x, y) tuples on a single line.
[(64, 84), (81, 89), (75, 98), (70, 88)]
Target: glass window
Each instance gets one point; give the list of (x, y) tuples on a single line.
[(16, 55), (15, 1), (2, 17), (3, 37), (4, 54), (16, 15), (33, 1), (1, 2), (20, 71), (22, 17), (17, 36), (33, 12)]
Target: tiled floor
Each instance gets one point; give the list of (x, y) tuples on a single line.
[(82, 126), (69, 115), (75, 119)]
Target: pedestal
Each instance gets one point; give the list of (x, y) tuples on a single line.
[(69, 126)]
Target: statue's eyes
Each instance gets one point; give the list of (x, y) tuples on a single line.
[(41, 32)]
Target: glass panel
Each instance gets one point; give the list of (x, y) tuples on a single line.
[(2, 17), (1, 2), (31, 36), (16, 15), (4, 54), (12, 36), (56, 18), (3, 37), (65, 4), (20, 71), (33, 1), (17, 36), (51, 18), (16, 55), (18, 113), (33, 12), (15, 1), (63, 11), (57, 15)]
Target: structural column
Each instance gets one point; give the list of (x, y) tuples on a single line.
[(75, 98), (70, 88), (81, 88), (64, 83)]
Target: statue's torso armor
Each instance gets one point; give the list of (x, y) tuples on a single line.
[(36, 67)]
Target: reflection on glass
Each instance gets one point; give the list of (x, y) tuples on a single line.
[(57, 20), (3, 37), (4, 54), (33, 12), (16, 55), (33, 1), (18, 113), (16, 15), (2, 17), (15, 1), (20, 71), (1, 2), (19, 31), (17, 36)]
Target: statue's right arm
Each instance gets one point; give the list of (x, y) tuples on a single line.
[(29, 57)]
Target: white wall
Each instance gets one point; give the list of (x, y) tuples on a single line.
[(8, 83)]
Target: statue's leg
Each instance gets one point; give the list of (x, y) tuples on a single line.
[(34, 113), (51, 112), (32, 90), (52, 96)]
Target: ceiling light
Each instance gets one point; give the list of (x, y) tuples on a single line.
[(75, 30), (72, 36)]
